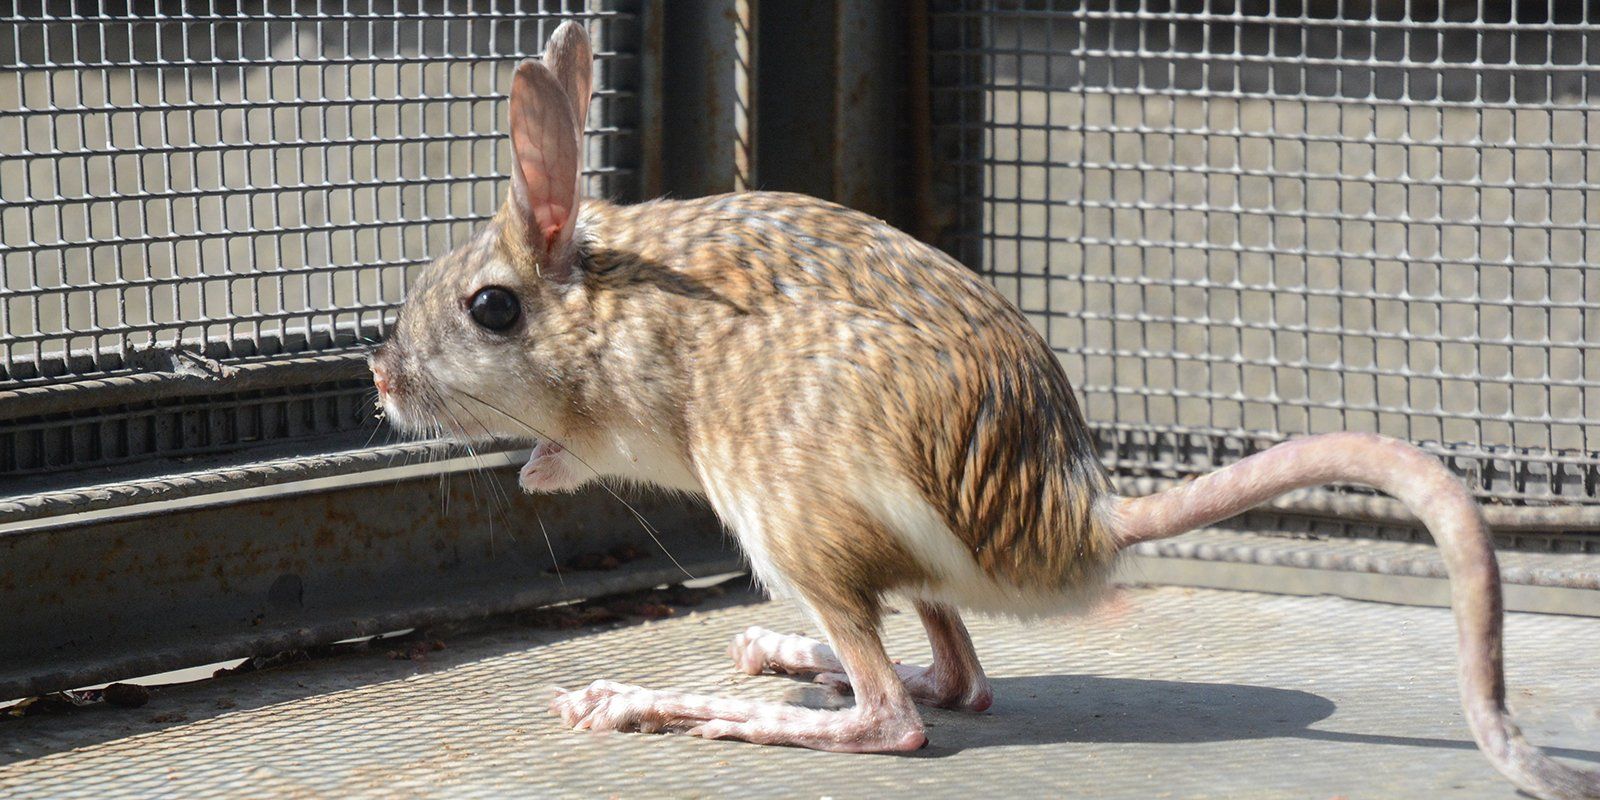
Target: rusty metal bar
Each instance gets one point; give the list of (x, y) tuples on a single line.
[(1387, 558), (652, 98), (136, 594), (197, 380), (66, 502), (709, 61), (843, 130)]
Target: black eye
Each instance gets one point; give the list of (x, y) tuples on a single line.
[(495, 309)]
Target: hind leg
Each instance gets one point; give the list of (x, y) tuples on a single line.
[(955, 679), (884, 717)]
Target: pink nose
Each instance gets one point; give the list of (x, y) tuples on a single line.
[(380, 380)]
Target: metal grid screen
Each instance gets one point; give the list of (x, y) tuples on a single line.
[(254, 179), (1239, 221)]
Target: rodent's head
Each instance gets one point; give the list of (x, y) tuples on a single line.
[(484, 345)]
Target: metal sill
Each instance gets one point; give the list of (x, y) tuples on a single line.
[(78, 498), (147, 587), (1266, 553)]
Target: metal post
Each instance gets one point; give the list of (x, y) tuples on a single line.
[(708, 67), (842, 131)]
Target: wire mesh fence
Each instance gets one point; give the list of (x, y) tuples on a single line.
[(1236, 222), (255, 179), (1241, 221)]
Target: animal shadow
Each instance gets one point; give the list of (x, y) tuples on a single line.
[(1050, 709)]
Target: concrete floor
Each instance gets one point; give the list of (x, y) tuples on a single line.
[(1165, 692)]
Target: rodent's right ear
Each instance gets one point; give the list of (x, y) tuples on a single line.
[(571, 60), (544, 182)]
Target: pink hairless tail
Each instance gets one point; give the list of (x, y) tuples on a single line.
[(1444, 505)]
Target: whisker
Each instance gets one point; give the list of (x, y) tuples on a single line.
[(472, 477), (496, 490), (444, 476), (444, 494), (373, 434), (499, 502), (549, 545), (477, 463)]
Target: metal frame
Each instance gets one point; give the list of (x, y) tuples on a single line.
[(196, 497)]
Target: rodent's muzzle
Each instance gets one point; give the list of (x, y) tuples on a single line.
[(381, 371), (388, 377)]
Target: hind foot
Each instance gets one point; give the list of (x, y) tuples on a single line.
[(759, 650)]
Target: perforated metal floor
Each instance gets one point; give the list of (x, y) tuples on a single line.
[(1166, 692)]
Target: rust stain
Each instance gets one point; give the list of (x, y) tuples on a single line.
[(116, 552), (334, 513), (73, 578), (857, 90), (198, 556)]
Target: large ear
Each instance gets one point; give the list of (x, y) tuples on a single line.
[(544, 182), (569, 56)]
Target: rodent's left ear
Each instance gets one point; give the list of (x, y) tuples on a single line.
[(544, 183)]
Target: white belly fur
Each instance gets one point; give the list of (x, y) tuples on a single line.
[(958, 579), (900, 506)]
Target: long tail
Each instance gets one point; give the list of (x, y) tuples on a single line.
[(1444, 505)]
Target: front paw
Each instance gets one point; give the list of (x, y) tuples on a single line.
[(549, 469)]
